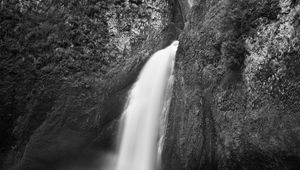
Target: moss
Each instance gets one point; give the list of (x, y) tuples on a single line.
[(273, 68), (252, 131), (242, 17)]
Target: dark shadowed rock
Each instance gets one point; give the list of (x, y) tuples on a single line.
[(235, 101), (222, 115), (83, 124), (78, 86)]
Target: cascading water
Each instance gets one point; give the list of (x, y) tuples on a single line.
[(148, 102)]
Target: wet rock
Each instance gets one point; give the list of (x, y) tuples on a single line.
[(221, 119)]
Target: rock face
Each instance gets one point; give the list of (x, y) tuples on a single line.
[(235, 99), (83, 124), (235, 102), (76, 121)]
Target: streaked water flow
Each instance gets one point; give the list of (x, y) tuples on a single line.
[(144, 116)]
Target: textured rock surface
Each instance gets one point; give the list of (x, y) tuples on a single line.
[(235, 102), (83, 123), (236, 97), (76, 120)]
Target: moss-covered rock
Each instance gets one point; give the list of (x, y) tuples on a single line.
[(67, 69), (235, 100)]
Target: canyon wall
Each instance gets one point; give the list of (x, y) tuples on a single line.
[(235, 102)]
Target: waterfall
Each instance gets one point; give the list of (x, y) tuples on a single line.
[(147, 106)]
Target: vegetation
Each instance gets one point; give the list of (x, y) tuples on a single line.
[(244, 17), (48, 44), (273, 64), (43, 44), (252, 46)]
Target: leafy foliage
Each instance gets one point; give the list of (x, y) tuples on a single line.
[(273, 66), (244, 17), (49, 44), (129, 23), (42, 45)]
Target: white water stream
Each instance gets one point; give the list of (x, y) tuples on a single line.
[(148, 102)]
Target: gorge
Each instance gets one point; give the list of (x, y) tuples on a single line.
[(68, 68)]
